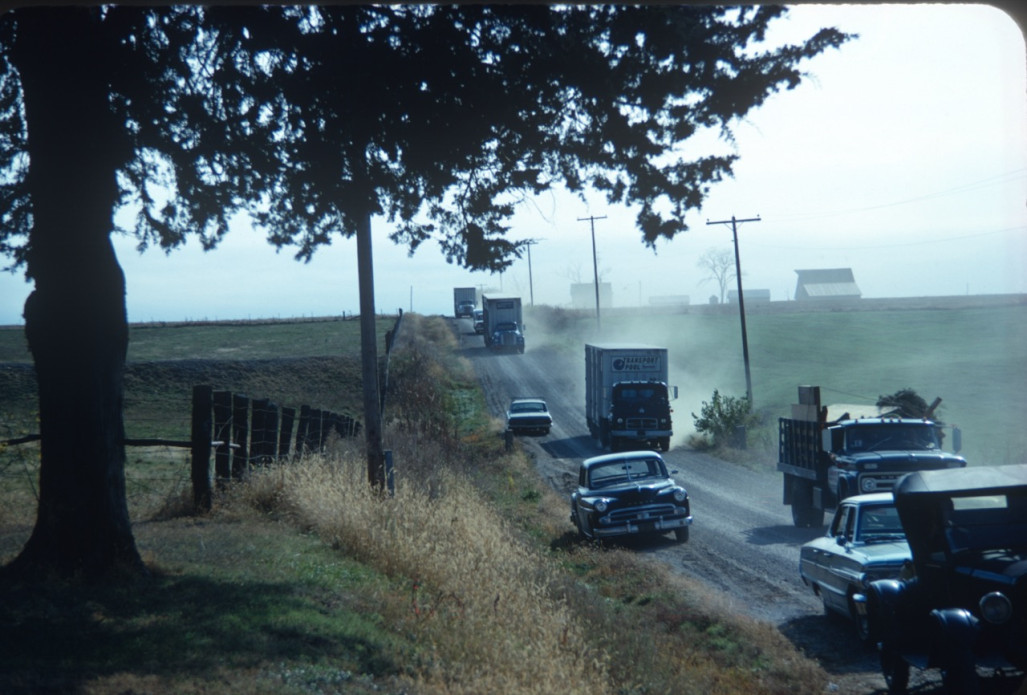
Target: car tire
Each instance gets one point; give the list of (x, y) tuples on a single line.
[(577, 523), (862, 623), (681, 534), (895, 670)]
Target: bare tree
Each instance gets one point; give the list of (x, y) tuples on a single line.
[(720, 263)]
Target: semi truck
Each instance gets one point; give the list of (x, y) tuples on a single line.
[(828, 453), (503, 324), (465, 301), (627, 400)]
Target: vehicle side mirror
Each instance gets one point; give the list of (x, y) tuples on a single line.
[(674, 392), (840, 540), (957, 439)]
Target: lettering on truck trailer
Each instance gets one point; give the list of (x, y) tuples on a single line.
[(636, 363)]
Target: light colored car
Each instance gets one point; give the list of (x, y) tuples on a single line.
[(529, 415), (864, 542)]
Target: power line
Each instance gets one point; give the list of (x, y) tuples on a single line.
[(1006, 177)]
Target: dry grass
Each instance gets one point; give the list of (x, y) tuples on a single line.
[(479, 604)]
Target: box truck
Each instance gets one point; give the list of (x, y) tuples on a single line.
[(503, 324), (627, 400), (465, 301)]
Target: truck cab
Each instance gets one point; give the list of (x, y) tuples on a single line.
[(640, 411), (870, 454)]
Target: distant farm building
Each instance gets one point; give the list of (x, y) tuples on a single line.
[(825, 284), (750, 296), (583, 295)]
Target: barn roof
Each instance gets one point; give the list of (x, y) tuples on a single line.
[(826, 283)]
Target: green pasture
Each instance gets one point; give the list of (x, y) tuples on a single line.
[(975, 359)]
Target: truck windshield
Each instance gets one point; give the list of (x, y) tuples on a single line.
[(640, 393), (898, 436)]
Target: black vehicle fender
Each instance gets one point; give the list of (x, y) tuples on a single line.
[(884, 599), (955, 631)]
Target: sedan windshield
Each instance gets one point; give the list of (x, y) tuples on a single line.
[(623, 471), (880, 524)]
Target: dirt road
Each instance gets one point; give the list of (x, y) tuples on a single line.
[(743, 542)]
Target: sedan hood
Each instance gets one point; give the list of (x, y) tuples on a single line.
[(884, 553)]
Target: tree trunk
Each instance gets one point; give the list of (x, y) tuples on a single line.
[(75, 318)]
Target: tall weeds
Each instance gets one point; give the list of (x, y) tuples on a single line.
[(479, 604)]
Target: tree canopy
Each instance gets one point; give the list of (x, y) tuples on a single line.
[(313, 120), (437, 117)]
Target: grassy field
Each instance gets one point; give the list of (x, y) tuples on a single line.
[(974, 358)]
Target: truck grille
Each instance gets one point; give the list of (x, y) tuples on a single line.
[(641, 423), (878, 482)]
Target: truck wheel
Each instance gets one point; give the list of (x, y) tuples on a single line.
[(804, 514), (664, 443)]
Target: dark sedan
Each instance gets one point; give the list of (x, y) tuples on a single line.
[(629, 493)]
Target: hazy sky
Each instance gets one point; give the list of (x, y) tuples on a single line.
[(903, 157)]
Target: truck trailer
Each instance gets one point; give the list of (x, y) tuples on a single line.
[(465, 301), (828, 453), (503, 324), (627, 400)]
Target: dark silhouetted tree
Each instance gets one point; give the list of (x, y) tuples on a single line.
[(315, 120)]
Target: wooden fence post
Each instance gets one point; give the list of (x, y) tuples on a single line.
[(303, 432), (201, 429), (223, 433), (285, 433), (317, 428), (240, 432), (263, 431)]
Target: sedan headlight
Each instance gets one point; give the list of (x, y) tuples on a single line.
[(996, 608), (868, 484), (601, 506), (680, 495)]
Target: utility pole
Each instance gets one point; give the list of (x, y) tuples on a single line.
[(741, 301), (595, 266), (531, 284)]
